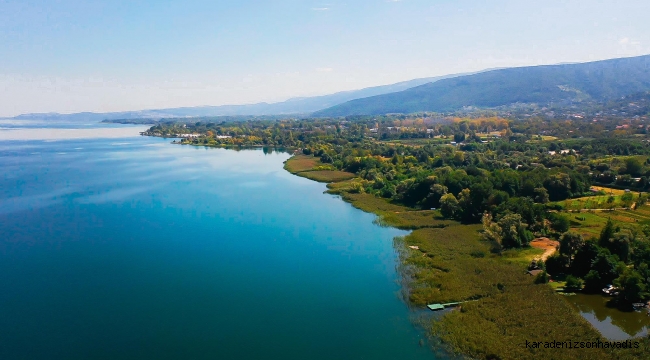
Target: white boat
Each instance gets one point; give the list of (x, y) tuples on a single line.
[(610, 290)]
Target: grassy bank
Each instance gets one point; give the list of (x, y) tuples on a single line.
[(313, 169), (449, 262)]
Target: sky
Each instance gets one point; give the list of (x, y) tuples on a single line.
[(99, 55)]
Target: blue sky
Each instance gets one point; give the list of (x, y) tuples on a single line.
[(71, 55)]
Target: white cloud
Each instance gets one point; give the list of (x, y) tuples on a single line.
[(321, 9), (629, 47), (628, 41), (324, 69)]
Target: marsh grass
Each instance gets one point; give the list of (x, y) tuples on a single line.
[(313, 169), (300, 163), (395, 215), (339, 187), (510, 308), (326, 176)]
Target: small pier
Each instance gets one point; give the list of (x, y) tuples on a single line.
[(437, 307)]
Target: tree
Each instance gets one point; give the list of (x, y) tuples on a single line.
[(459, 137), (436, 192), (558, 186), (631, 286), (514, 232), (581, 263), (556, 264), (449, 206), (466, 206), (593, 281), (492, 232), (603, 271), (627, 199), (606, 233), (633, 166), (570, 242), (620, 244), (559, 223), (541, 195)]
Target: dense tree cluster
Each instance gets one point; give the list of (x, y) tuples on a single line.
[(619, 257)]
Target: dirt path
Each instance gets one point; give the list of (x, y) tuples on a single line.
[(549, 246)]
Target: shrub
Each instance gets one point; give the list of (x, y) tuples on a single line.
[(541, 278), (573, 282)]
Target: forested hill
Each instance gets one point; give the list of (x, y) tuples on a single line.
[(601, 80)]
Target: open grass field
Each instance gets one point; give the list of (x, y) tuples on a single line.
[(610, 191), (588, 224), (596, 202), (522, 257), (640, 216)]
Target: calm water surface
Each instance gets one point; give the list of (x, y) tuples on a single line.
[(134, 248), (611, 322)]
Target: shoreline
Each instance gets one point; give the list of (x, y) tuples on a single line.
[(450, 263), (446, 261)]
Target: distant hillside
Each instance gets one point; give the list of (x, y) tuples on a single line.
[(631, 105), (192, 120), (304, 105), (600, 81)]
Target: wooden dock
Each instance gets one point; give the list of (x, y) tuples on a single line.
[(437, 307)]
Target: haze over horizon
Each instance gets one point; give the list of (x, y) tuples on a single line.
[(73, 56)]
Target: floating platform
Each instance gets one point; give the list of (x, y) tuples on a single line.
[(437, 307)]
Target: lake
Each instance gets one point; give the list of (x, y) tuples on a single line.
[(115, 246)]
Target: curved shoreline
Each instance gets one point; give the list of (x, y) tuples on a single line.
[(450, 263)]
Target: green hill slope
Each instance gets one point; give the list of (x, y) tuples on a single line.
[(601, 80)]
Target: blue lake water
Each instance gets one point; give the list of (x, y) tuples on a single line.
[(134, 248)]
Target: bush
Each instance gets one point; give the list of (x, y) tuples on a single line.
[(541, 278), (573, 282), (555, 207)]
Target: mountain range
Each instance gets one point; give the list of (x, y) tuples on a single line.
[(552, 84), (562, 84), (303, 106)]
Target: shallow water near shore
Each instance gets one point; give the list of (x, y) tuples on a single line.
[(135, 248), (612, 323)]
